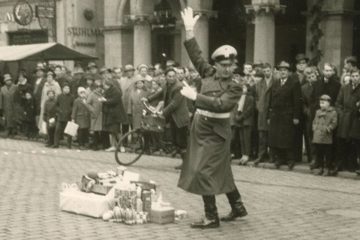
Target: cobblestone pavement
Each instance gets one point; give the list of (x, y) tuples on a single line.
[(281, 204)]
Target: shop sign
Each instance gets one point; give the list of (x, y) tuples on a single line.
[(23, 13), (44, 12), (86, 32)]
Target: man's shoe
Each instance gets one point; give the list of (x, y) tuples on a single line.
[(357, 172), (178, 167), (313, 165), (277, 165), (206, 223), (291, 165), (257, 161), (55, 146), (237, 211), (321, 172), (110, 149)]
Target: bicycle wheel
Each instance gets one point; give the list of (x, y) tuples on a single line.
[(136, 146)]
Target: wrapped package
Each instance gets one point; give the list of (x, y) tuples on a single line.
[(88, 204)]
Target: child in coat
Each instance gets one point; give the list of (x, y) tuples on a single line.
[(244, 118), (49, 117), (81, 116), (323, 126)]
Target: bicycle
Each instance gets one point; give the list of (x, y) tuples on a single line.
[(151, 123)]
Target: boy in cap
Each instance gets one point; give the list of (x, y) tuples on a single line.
[(324, 124), (49, 117), (206, 170)]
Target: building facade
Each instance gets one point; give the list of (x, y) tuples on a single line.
[(119, 32)]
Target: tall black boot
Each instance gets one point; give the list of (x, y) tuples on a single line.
[(211, 219), (237, 207)]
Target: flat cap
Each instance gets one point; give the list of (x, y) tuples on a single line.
[(129, 67), (91, 65), (224, 52), (7, 77), (325, 97), (283, 64)]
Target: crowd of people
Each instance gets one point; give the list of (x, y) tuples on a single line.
[(280, 115)]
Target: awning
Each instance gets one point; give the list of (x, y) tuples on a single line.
[(40, 52)]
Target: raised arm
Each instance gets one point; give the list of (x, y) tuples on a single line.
[(192, 47)]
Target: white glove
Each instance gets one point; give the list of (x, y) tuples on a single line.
[(188, 92), (189, 19)]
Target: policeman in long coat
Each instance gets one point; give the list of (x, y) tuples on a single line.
[(207, 170), (284, 114)]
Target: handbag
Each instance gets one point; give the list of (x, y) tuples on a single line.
[(71, 129)]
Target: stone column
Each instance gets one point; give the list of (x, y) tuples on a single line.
[(142, 43), (141, 12), (337, 42), (264, 36), (113, 32)]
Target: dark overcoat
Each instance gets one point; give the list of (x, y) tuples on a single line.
[(7, 105), (285, 105), (113, 108), (320, 87), (207, 169), (348, 112), (80, 114), (95, 107), (64, 103), (175, 105), (262, 103)]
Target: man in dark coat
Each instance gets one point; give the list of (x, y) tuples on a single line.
[(175, 111), (207, 169), (113, 111), (284, 114), (347, 106), (262, 97)]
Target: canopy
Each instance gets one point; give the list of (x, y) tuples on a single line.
[(40, 52)]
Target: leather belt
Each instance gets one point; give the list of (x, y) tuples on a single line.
[(212, 114)]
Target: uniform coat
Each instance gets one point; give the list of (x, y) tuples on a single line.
[(136, 106), (262, 103), (207, 169), (323, 126), (285, 105), (95, 108), (113, 108), (348, 112), (175, 104), (126, 84), (7, 104), (80, 114)]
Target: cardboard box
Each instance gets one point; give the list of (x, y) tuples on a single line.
[(162, 215), (88, 204)]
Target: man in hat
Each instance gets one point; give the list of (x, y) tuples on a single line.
[(301, 64), (207, 167), (92, 68), (38, 86), (283, 116), (126, 84), (7, 93)]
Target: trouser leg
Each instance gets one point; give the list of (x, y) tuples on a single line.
[(263, 145)]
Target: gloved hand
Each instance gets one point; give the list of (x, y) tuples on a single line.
[(188, 92), (189, 19)]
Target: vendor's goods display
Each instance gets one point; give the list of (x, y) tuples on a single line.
[(120, 196)]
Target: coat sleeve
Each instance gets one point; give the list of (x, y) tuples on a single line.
[(297, 102), (220, 104), (202, 66), (333, 122), (174, 103), (339, 105), (74, 110), (114, 98), (250, 108), (314, 121), (155, 96)]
